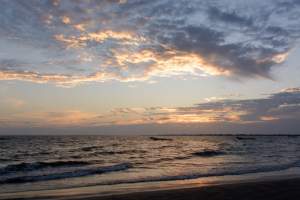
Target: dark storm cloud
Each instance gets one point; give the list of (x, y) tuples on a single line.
[(161, 38)]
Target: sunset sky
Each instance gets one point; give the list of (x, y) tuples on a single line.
[(149, 67)]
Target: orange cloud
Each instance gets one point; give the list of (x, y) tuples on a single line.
[(150, 62), (268, 118), (121, 116), (170, 63), (66, 20), (65, 118), (66, 80), (53, 119), (63, 80), (233, 111), (80, 27), (161, 115), (138, 45), (12, 102), (100, 36), (16, 103), (276, 58)]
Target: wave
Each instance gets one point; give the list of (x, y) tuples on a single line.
[(25, 167), (126, 166), (21, 155), (208, 153), (70, 174), (118, 152), (91, 148), (202, 175), (160, 160), (4, 159)]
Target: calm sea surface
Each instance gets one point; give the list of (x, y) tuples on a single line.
[(53, 162)]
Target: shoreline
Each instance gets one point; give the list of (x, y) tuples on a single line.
[(231, 187), (260, 190), (256, 190)]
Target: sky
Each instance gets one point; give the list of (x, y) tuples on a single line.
[(149, 67)]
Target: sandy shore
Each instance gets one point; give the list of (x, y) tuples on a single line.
[(275, 190), (260, 190)]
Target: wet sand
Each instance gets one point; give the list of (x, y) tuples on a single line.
[(275, 190), (260, 190)]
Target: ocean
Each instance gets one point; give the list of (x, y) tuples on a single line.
[(33, 163)]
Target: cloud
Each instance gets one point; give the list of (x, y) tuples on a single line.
[(97, 37), (66, 20), (279, 107), (12, 102), (69, 42), (67, 118), (284, 105), (63, 80)]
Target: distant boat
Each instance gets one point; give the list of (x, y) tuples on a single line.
[(244, 138), (209, 153), (3, 138), (160, 139)]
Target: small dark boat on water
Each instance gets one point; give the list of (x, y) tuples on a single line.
[(245, 138), (160, 139)]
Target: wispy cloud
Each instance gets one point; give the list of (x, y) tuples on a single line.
[(12, 102), (138, 40), (284, 105)]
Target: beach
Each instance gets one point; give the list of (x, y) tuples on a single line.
[(263, 190), (257, 190)]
